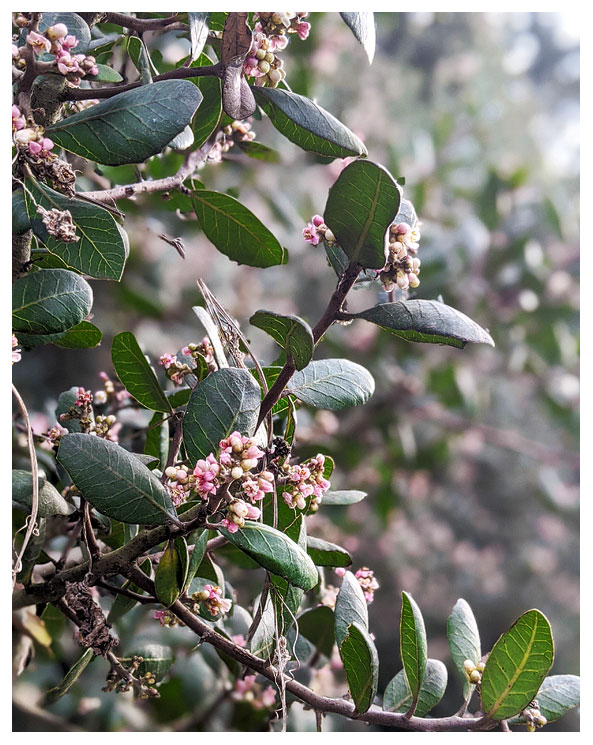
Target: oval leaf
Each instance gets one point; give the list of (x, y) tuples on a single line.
[(114, 481), (131, 126), (82, 336), (350, 496), (426, 321), (464, 638), (50, 301), (362, 26), (136, 374), (168, 576), (361, 664), (307, 124), (332, 384), (413, 645), (292, 333), (361, 205), (326, 554), (198, 33), (350, 607), (236, 231), (227, 400), (517, 666), (275, 552), (558, 694), (101, 249), (398, 696), (317, 625), (51, 502), (70, 678)]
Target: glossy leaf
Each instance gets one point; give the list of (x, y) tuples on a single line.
[(51, 502), (82, 336), (307, 124), (101, 249), (208, 115), (275, 552), (517, 666), (132, 126), (350, 607), (464, 639), (558, 694), (156, 659), (361, 205), (398, 696), (426, 321), (70, 678), (114, 481), (227, 400), (199, 540), (362, 26), (332, 384), (317, 625), (169, 575), (135, 372), (326, 554), (361, 665), (413, 644), (351, 496), (236, 231), (50, 301), (292, 333)]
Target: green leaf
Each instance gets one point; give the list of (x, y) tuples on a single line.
[(292, 333), (198, 32), (101, 249), (558, 694), (398, 696), (157, 438), (275, 552), (361, 205), (332, 384), (208, 115), (50, 301), (82, 336), (51, 502), (199, 540), (131, 126), (20, 218), (66, 400), (351, 496), (122, 604), (362, 26), (156, 659), (361, 664), (136, 374), (236, 231), (317, 625), (464, 639), (114, 481), (138, 53), (326, 554), (426, 321), (413, 645), (70, 678), (75, 24), (227, 400), (308, 125), (350, 607), (259, 152), (107, 74), (169, 575), (517, 666)]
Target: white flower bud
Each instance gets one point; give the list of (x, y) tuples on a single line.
[(468, 666), (236, 472), (264, 66), (171, 472), (24, 136), (475, 677)]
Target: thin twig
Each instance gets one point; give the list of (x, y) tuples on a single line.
[(144, 599)]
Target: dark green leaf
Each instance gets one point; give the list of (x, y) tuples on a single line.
[(180, 397), (66, 400), (292, 333), (157, 438), (317, 625), (136, 374), (361, 205), (82, 336), (208, 115), (122, 604), (198, 33), (150, 461), (332, 384), (101, 249), (426, 321), (227, 400), (156, 659), (259, 152), (236, 231), (398, 696), (361, 665), (343, 497), (138, 52), (275, 552), (362, 26), (50, 301), (32, 552), (75, 24), (131, 126), (350, 607), (326, 554), (20, 218), (107, 74), (558, 694), (169, 575), (114, 481), (51, 502), (517, 666), (199, 540), (464, 639), (70, 678), (308, 125), (413, 645)]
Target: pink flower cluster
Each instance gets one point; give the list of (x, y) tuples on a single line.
[(119, 395), (271, 35), (16, 353), (212, 598), (366, 579), (306, 480), (316, 231), (57, 41), (83, 397), (237, 512), (177, 370), (251, 692), (403, 267)]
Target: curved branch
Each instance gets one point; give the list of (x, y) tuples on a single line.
[(142, 24)]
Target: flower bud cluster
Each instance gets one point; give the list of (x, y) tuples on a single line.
[(203, 349), (278, 25), (16, 353), (111, 391), (238, 131), (366, 579), (174, 369), (403, 266), (533, 716), (316, 231), (167, 618), (54, 434), (179, 483), (143, 687), (248, 690), (306, 480), (473, 671), (59, 224), (103, 427), (237, 512), (31, 140), (82, 410), (211, 597)]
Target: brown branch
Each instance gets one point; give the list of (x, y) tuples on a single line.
[(144, 599), (142, 24)]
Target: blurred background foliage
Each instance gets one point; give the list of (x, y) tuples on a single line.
[(470, 458)]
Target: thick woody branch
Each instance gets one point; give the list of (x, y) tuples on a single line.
[(142, 24)]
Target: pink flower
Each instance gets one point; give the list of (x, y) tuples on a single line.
[(317, 220), (16, 353), (69, 42), (239, 640), (206, 472), (18, 120), (340, 571), (58, 31), (83, 397), (368, 583), (67, 64), (41, 148), (229, 525), (303, 29), (39, 43), (16, 53), (311, 235), (167, 360)]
